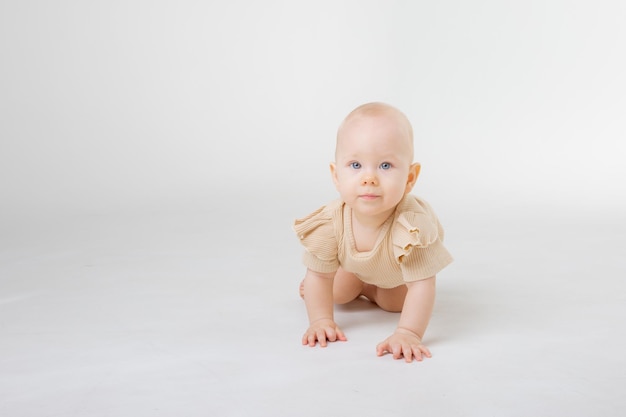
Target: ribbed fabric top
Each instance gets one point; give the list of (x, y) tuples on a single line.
[(409, 247)]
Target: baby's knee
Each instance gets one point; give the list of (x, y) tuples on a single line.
[(344, 298), (391, 307), (391, 299)]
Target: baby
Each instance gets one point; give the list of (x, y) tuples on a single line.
[(377, 240)]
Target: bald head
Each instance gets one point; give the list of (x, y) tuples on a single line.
[(382, 111)]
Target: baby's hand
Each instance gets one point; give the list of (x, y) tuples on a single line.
[(323, 331), (404, 343)]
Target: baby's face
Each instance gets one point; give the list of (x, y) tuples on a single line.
[(372, 170)]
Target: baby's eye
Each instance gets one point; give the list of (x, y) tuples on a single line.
[(355, 165), (385, 165)]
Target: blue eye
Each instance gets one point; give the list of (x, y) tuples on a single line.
[(385, 165), (355, 165)]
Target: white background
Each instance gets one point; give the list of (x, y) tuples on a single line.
[(153, 155), (125, 105)]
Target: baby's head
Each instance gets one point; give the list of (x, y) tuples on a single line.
[(374, 157), (381, 116)]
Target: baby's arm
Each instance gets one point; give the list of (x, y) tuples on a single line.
[(407, 339), (318, 297)]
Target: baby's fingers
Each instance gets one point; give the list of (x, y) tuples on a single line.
[(331, 334), (420, 350), (416, 351), (340, 335), (382, 348), (309, 338), (404, 350), (316, 335), (321, 337), (399, 351)]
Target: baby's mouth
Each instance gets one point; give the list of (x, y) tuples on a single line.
[(368, 196)]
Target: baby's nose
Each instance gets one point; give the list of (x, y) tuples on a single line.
[(369, 179)]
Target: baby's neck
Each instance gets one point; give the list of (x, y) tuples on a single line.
[(366, 229), (370, 222)]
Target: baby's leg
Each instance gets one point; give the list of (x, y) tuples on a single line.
[(346, 287), (389, 299)]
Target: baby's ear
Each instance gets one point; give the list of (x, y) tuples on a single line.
[(414, 172), (333, 173)]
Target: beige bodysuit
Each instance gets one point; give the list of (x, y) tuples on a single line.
[(409, 247)]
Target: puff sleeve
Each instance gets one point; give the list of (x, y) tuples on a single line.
[(317, 234), (417, 239)]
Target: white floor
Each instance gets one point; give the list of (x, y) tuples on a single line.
[(190, 314)]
